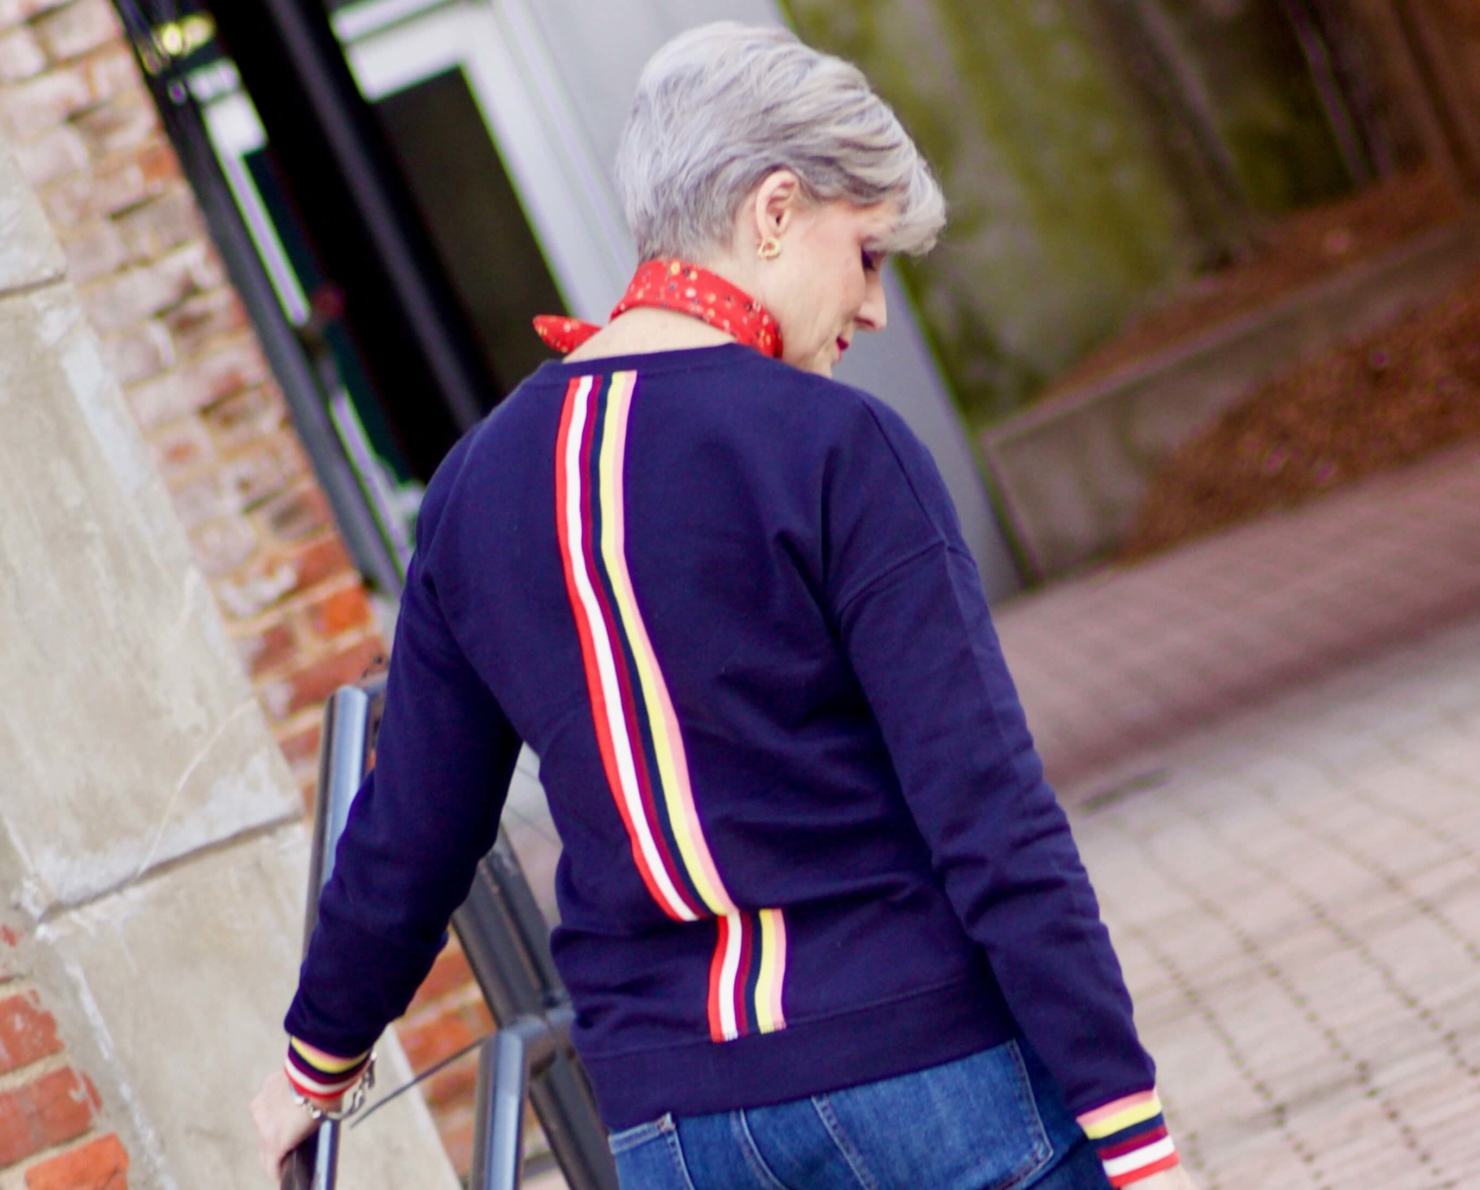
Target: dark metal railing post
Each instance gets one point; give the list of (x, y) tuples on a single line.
[(344, 753)]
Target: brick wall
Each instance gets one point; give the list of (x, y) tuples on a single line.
[(80, 118), (52, 1133)]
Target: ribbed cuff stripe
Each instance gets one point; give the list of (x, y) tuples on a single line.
[(322, 1077), (1130, 1135)]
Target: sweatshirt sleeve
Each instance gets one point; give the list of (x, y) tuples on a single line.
[(427, 813), (909, 606)]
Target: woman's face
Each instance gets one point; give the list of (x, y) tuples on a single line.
[(826, 285)]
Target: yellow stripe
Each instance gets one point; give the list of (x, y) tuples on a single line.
[(328, 1063), (693, 851), (767, 985), (1110, 1125)]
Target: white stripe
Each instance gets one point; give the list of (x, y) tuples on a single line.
[(325, 1090), (728, 972), (605, 662), (1141, 1157)]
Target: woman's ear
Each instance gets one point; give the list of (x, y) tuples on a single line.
[(776, 202)]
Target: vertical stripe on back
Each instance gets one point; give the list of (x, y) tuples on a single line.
[(638, 734)]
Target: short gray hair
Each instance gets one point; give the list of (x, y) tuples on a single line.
[(721, 107)]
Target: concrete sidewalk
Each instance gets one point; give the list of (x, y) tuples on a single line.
[(1270, 744)]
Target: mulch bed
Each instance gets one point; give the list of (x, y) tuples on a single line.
[(1299, 249), (1366, 406)]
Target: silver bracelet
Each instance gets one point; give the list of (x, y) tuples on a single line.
[(355, 1100)]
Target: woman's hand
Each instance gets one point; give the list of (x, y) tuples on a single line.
[(1176, 1178), (282, 1123)]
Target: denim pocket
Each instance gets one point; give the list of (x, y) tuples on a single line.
[(972, 1124), (649, 1157)]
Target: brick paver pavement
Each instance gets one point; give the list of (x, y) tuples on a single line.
[(1270, 744)]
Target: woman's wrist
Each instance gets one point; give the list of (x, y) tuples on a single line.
[(322, 1080), (1130, 1135)]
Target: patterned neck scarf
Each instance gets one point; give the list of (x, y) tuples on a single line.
[(687, 289)]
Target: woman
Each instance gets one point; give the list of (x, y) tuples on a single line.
[(823, 922)]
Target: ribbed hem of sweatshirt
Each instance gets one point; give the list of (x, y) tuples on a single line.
[(1130, 1135), (809, 1057)]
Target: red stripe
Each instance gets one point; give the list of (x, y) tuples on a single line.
[(627, 684), (1140, 1141), (589, 497), (716, 970), (604, 741), (742, 972), (1170, 1161)]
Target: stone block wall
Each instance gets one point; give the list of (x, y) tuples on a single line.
[(79, 118)]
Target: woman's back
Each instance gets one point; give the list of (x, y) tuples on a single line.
[(709, 590)]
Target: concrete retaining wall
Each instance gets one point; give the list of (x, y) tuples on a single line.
[(1073, 471)]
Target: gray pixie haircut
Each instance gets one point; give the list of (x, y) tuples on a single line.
[(722, 106)]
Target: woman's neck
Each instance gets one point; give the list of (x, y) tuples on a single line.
[(645, 331)]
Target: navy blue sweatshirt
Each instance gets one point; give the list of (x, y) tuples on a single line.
[(807, 839)]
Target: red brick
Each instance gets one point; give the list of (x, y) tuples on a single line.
[(275, 576), (116, 185), (21, 56), (77, 29), (449, 974), (92, 250), (301, 748), (51, 155), (28, 1033), (312, 685), (100, 1164), (194, 266), (163, 223), (246, 416), (223, 545), (180, 447), (267, 649), (264, 471), (457, 1083), (298, 514), (200, 501), (198, 383), (339, 612), (434, 1039), (45, 101), (139, 352), (111, 72), (200, 319), (322, 560), (124, 299), (13, 12), (122, 125), (55, 1108)]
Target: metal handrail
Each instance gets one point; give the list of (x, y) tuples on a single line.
[(506, 940)]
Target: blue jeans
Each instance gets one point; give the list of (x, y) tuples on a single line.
[(992, 1121)]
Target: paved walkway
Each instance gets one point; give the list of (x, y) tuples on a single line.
[(1270, 747), (1270, 744)]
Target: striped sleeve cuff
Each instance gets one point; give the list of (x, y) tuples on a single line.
[(1131, 1138), (317, 1075)]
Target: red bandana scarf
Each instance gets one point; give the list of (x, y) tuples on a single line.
[(685, 288)]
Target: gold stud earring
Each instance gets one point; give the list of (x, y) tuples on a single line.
[(770, 248)]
